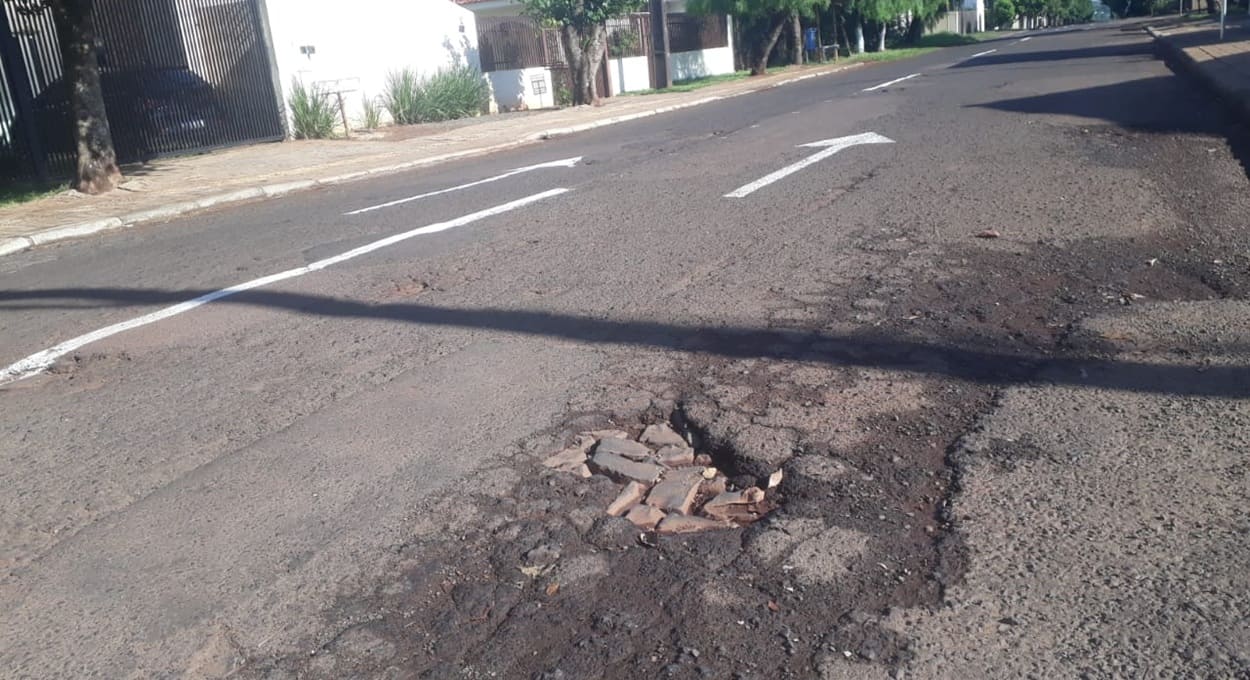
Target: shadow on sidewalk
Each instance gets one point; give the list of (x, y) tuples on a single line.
[(963, 359)]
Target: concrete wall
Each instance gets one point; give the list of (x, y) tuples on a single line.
[(358, 43), (701, 63), (518, 89), (629, 74)]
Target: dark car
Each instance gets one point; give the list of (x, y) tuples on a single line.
[(151, 111)]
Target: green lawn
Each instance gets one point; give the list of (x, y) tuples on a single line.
[(888, 55), (695, 83), (993, 35), (21, 193), (946, 40), (927, 44)]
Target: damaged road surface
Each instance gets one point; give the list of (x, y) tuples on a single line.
[(969, 404)]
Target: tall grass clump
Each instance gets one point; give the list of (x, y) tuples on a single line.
[(457, 92), (312, 112), (372, 112), (403, 96)]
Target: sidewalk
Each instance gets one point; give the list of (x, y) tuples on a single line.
[(1222, 66), (168, 187)]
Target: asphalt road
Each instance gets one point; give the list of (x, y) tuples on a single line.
[(247, 464)]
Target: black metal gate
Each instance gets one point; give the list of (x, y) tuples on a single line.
[(177, 75)]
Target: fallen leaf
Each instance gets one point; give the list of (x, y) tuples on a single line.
[(988, 233), (775, 478), (532, 572), (773, 606), (552, 588)]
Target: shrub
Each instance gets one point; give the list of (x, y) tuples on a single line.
[(372, 112), (312, 112), (456, 92), (1003, 14), (403, 90), (564, 94)]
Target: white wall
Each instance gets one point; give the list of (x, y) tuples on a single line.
[(361, 41), (701, 63), (629, 74), (516, 89)]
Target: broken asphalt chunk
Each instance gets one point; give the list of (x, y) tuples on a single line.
[(676, 493), (623, 469), (686, 524), (630, 496), (661, 434), (740, 506), (645, 516), (676, 456), (568, 460), (626, 448)]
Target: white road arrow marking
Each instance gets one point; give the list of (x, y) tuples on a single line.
[(564, 163), (828, 148)]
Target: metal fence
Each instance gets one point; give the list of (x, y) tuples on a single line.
[(689, 33), (508, 43), (629, 36), (177, 75)]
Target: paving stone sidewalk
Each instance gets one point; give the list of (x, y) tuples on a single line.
[(167, 187), (1221, 65)]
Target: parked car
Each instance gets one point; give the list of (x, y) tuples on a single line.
[(150, 111)]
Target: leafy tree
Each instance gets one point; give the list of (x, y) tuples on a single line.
[(762, 22), (924, 14), (581, 24), (97, 169), (1004, 13)]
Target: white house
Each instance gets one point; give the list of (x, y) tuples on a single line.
[(525, 64), (354, 45), (964, 16)]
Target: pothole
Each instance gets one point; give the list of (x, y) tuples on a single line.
[(671, 481)]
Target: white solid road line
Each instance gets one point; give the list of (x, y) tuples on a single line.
[(36, 363), (829, 147), (896, 80), (982, 54), (565, 163)]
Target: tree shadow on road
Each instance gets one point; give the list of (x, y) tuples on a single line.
[(1102, 52), (969, 360), (1134, 105)]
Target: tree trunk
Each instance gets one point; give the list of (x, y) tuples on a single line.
[(881, 42), (859, 35), (97, 160), (796, 52), (840, 25), (915, 30), (760, 67), (594, 58), (585, 56)]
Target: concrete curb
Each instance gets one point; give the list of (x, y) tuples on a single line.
[(1216, 77), (17, 244)]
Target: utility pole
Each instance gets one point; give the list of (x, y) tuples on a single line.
[(659, 45)]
